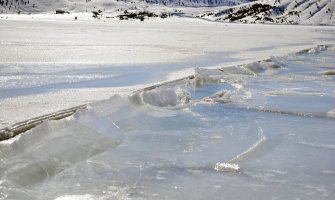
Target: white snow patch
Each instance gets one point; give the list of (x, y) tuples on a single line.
[(227, 167), (76, 197)]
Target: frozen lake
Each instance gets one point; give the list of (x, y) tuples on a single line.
[(49, 63), (264, 130), (235, 128)]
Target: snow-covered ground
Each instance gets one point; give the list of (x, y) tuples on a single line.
[(51, 62)]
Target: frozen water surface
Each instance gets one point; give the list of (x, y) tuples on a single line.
[(52, 62), (259, 131)]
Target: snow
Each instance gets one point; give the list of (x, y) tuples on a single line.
[(312, 12), (76, 197), (83, 61)]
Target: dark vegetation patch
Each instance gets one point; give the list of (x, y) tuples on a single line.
[(59, 11), (249, 11), (140, 15), (96, 14)]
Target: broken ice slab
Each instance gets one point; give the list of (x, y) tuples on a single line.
[(298, 86), (226, 133), (156, 162), (45, 151)]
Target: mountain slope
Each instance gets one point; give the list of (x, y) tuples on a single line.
[(314, 12), (33, 6), (197, 3), (13, 6)]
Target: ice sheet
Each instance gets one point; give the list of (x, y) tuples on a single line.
[(260, 130), (51, 62)]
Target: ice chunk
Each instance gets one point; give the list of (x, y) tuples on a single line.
[(62, 143), (203, 76), (162, 97), (318, 49), (331, 114), (238, 70), (261, 67), (226, 167)]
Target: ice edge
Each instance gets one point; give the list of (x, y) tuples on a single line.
[(21, 127)]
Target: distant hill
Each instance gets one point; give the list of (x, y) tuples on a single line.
[(313, 12), (197, 3), (35, 6), (13, 6)]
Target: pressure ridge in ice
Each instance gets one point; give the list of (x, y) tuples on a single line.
[(264, 129)]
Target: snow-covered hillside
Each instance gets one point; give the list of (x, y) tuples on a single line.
[(36, 6), (314, 12), (14, 6), (196, 3)]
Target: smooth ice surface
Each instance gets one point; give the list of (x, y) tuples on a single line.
[(258, 131)]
